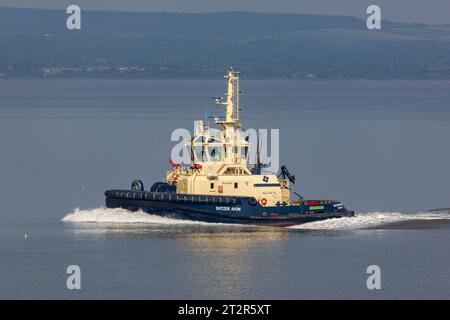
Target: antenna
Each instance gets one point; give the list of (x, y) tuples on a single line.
[(218, 100), (258, 151)]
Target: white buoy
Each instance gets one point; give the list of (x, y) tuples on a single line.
[(26, 236)]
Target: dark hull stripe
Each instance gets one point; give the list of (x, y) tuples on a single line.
[(206, 213)]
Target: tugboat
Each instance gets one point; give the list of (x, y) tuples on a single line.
[(221, 185)]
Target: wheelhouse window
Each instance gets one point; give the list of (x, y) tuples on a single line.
[(235, 171), (215, 154), (200, 153), (244, 153)]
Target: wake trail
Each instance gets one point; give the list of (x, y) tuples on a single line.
[(359, 221)]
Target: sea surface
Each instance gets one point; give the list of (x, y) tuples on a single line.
[(380, 147)]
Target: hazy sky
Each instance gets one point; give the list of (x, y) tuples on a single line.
[(428, 11)]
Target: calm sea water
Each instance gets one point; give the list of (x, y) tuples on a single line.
[(382, 148)]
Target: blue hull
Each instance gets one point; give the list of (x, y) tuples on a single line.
[(220, 209)]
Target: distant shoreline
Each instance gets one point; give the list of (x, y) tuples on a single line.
[(119, 45), (30, 79)]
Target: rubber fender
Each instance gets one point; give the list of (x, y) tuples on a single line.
[(163, 187), (252, 201), (137, 185)]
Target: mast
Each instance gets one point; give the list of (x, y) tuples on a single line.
[(231, 124), (232, 112), (232, 101)]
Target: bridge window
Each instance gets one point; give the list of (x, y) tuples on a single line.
[(235, 171), (200, 153), (244, 153), (215, 153)]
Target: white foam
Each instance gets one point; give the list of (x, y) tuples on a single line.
[(359, 221), (120, 216), (369, 220)]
